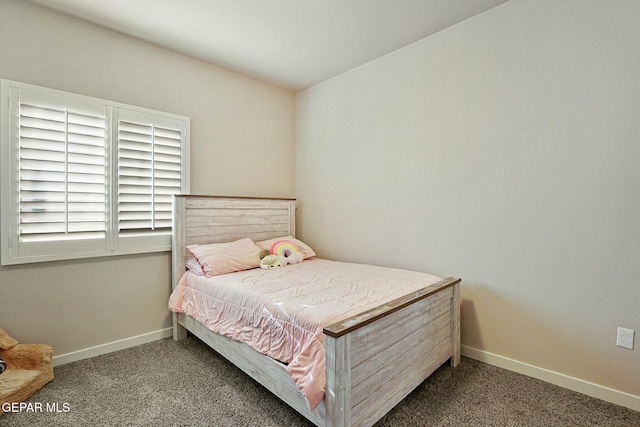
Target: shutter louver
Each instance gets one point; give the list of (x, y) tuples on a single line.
[(62, 174), (149, 173)]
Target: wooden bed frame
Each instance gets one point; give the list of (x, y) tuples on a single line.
[(373, 360)]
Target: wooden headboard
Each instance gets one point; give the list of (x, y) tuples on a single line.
[(219, 219)]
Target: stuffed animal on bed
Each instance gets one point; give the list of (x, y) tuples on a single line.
[(287, 249), (281, 253), (273, 261), (295, 258), (264, 253)]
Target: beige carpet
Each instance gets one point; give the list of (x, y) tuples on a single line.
[(165, 383)]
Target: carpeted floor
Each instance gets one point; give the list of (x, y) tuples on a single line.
[(165, 383)]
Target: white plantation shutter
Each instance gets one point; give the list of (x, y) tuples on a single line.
[(62, 174), (167, 176), (149, 172), (86, 177)]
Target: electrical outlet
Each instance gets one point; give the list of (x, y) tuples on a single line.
[(625, 338)]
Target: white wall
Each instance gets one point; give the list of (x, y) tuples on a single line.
[(242, 137), (505, 151)]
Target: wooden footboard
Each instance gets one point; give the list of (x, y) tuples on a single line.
[(378, 357), (373, 360)]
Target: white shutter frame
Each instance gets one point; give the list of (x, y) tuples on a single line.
[(16, 249), (81, 147), (145, 143)]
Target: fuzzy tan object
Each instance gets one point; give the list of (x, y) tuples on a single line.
[(6, 342), (29, 367)]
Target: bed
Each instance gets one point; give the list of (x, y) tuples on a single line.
[(394, 346)]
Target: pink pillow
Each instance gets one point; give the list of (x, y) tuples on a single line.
[(306, 250), (194, 266), (221, 258)]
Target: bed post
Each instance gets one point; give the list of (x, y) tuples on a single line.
[(455, 325), (338, 393), (292, 218), (177, 257)]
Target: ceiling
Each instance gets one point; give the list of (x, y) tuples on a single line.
[(293, 44)]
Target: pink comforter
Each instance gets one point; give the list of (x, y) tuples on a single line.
[(281, 312)]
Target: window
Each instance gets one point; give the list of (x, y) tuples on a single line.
[(85, 177)]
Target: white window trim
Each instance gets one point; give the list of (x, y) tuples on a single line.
[(113, 244)]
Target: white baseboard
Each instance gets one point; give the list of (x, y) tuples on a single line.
[(112, 346), (585, 387)]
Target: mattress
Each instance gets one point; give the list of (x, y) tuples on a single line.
[(282, 312)]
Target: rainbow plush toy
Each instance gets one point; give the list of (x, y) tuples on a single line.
[(287, 249)]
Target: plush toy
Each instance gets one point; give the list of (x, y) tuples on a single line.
[(281, 253), (28, 368), (264, 253), (295, 258), (287, 249), (273, 261)]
